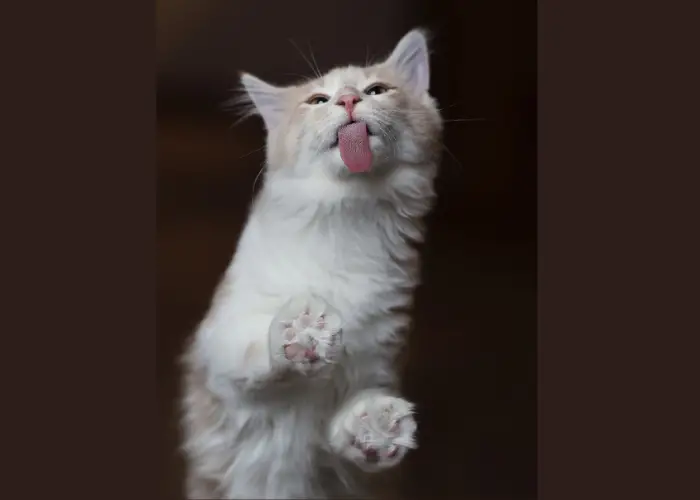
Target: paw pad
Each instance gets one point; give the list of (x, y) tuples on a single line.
[(381, 432), (312, 337)]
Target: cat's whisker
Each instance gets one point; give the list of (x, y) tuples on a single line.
[(448, 106), (384, 113), (370, 57), (443, 108), (317, 69), (262, 169), (442, 144), (306, 59), (449, 120), (240, 105), (385, 129), (385, 116), (251, 152), (465, 120), (305, 78), (452, 155)]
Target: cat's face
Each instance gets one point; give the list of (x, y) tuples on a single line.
[(353, 121)]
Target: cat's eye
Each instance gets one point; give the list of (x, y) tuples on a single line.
[(376, 89), (317, 99)]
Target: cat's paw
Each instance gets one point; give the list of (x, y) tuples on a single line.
[(375, 432), (306, 336)]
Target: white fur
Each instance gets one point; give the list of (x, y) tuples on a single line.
[(316, 230)]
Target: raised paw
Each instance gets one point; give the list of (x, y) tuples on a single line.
[(376, 432), (306, 336)]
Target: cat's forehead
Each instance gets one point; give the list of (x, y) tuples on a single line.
[(353, 76)]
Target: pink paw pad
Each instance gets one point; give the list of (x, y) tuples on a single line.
[(313, 337), (379, 435), (297, 352)]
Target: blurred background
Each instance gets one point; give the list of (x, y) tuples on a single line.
[(473, 366)]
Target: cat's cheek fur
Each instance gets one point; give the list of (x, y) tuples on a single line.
[(258, 428)]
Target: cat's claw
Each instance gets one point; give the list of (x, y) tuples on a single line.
[(306, 336), (376, 432)]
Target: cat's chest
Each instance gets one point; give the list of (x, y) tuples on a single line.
[(354, 266), (339, 264)]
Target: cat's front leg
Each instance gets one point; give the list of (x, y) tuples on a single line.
[(303, 342), (374, 429)]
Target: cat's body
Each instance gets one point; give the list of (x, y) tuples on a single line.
[(259, 422)]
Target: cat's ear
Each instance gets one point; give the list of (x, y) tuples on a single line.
[(411, 60), (266, 100)]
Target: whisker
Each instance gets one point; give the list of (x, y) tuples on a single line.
[(423, 113), (448, 106), (306, 78), (262, 168), (370, 57), (306, 59), (384, 117), (444, 146), (242, 118), (251, 152), (443, 108), (240, 105), (317, 70), (384, 130), (465, 120)]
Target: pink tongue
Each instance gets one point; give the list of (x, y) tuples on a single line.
[(353, 143)]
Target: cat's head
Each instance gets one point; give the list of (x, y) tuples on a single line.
[(353, 122)]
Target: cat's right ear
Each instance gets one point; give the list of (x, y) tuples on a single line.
[(264, 99)]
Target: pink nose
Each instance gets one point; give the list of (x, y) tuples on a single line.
[(349, 101)]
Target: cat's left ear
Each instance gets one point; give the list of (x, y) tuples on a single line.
[(267, 100), (411, 59)]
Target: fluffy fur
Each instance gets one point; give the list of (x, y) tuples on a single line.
[(338, 246)]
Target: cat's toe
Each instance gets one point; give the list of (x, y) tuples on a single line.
[(306, 334), (379, 431)]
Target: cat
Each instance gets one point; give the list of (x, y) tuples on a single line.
[(290, 381)]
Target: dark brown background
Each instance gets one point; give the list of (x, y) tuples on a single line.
[(473, 367), (617, 251)]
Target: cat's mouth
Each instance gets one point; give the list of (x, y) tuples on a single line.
[(335, 143), (354, 146)]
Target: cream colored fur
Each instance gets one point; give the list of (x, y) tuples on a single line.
[(255, 424)]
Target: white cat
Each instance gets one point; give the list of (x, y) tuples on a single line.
[(290, 381)]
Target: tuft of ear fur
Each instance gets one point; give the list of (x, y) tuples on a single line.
[(260, 98), (411, 59)]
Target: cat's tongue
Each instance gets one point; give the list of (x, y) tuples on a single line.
[(353, 142)]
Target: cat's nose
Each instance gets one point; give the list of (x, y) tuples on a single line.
[(348, 101)]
